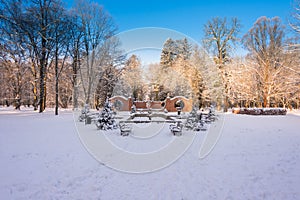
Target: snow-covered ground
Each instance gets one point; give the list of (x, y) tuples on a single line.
[(42, 157)]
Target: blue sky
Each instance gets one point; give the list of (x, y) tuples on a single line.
[(189, 16)]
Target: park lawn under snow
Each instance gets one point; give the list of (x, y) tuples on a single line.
[(256, 157)]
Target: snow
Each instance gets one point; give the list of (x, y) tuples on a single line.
[(42, 157)]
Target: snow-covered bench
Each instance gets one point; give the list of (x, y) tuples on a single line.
[(176, 129), (125, 129), (134, 115)]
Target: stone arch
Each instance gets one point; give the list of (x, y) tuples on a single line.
[(170, 104), (126, 102)]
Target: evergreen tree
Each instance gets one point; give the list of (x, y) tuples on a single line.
[(184, 48), (172, 50), (106, 119), (168, 53)]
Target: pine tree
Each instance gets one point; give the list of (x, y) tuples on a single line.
[(191, 120), (172, 50), (106, 119), (168, 53), (195, 122), (184, 49), (178, 75)]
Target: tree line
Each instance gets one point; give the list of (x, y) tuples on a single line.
[(47, 51), (267, 76), (54, 56)]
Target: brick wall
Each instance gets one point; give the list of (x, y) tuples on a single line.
[(169, 103)]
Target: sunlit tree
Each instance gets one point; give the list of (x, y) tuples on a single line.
[(220, 37)]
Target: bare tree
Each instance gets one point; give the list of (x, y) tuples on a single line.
[(97, 27), (38, 24), (265, 43), (220, 36), (15, 66), (75, 51), (295, 18), (61, 40), (289, 94), (111, 64), (36, 20), (15, 71), (242, 82)]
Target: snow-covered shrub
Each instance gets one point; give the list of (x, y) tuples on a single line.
[(198, 122), (84, 113), (191, 120), (260, 111), (105, 120)]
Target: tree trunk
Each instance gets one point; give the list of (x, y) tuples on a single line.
[(75, 81), (265, 101), (56, 80), (56, 96), (34, 86), (225, 103), (42, 88), (75, 87), (43, 27), (45, 90), (35, 96)]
